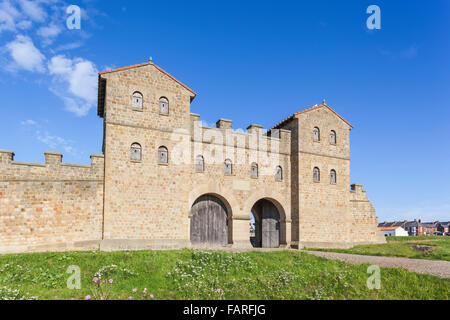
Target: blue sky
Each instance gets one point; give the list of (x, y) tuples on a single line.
[(253, 62)]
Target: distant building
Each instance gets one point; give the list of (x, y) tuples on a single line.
[(394, 231), (444, 228), (429, 228), (419, 228)]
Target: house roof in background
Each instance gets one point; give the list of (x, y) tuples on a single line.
[(388, 228)]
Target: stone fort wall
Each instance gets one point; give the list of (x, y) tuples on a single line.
[(52, 206), (364, 227), (122, 203), (148, 204)]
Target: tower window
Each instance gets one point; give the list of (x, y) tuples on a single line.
[(316, 174), (333, 176), (136, 152), (279, 173), (163, 105), (316, 134), (333, 137), (228, 167), (254, 170), (163, 155), (199, 164), (137, 101)]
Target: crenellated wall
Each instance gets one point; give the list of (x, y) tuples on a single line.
[(50, 206), (125, 201)]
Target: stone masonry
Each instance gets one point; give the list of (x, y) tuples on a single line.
[(124, 201)]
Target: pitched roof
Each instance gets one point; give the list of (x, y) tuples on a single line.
[(388, 228), (411, 224), (102, 83), (146, 64), (429, 224), (317, 106), (393, 224)]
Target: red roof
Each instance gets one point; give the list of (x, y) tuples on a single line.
[(309, 109), (388, 228), (145, 64)]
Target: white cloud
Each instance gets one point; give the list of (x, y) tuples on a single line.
[(56, 142), (33, 10), (78, 77), (49, 140), (8, 16), (68, 46), (410, 52), (73, 80), (25, 54), (49, 33), (60, 65), (28, 123), (24, 24)]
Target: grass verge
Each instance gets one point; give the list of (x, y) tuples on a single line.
[(188, 274)]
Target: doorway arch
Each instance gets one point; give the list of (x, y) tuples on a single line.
[(268, 225), (210, 221)]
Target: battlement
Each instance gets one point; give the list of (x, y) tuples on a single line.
[(275, 140), (52, 169), (6, 156), (357, 193)]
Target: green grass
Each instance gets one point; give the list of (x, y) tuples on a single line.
[(417, 238), (188, 274), (439, 248)]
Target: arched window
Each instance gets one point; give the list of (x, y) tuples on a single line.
[(163, 105), (136, 152), (316, 174), (333, 137), (333, 176), (279, 173), (137, 101), (228, 166), (163, 155), (199, 164), (254, 170), (316, 133)]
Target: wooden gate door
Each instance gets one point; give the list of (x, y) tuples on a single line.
[(270, 226), (209, 221)]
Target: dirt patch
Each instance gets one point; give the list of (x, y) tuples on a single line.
[(422, 248)]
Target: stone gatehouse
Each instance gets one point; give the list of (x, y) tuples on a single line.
[(166, 180)]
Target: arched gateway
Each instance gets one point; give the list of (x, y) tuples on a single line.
[(267, 225), (209, 221)]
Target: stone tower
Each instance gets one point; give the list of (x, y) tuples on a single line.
[(323, 207)]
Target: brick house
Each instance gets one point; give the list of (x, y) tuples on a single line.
[(419, 228), (443, 228)]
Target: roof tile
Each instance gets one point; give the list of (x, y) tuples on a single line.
[(317, 106), (145, 64)]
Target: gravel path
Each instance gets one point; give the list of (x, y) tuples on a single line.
[(433, 267)]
